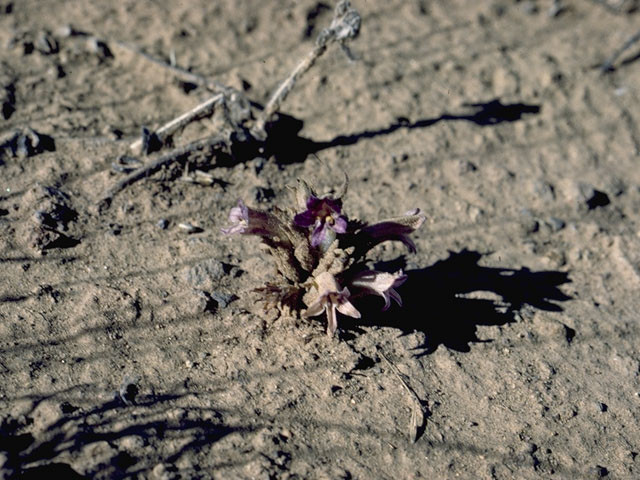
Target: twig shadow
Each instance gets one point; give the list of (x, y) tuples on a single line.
[(438, 301), (39, 457), (630, 59), (287, 146)]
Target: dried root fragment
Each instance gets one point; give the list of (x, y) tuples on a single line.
[(319, 254)]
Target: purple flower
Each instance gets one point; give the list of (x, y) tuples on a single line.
[(380, 283), (323, 214), (397, 228), (248, 221), (239, 218), (331, 298)]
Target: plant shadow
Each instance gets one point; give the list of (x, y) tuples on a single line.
[(443, 300), (287, 146)]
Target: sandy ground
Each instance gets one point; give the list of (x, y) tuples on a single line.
[(519, 331)]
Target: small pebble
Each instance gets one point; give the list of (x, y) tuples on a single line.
[(46, 44), (162, 224), (26, 142), (223, 299), (591, 197), (129, 390), (556, 224), (204, 273), (544, 190), (190, 228), (115, 229), (126, 164), (203, 301), (65, 31), (555, 9), (465, 166), (528, 224), (97, 46)]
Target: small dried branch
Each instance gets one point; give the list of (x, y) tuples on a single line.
[(345, 26), (237, 110), (209, 143), (417, 412), (168, 129), (607, 66)]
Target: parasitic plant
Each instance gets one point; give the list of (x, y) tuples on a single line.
[(319, 253)]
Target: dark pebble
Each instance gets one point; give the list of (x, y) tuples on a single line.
[(26, 143), (204, 272), (555, 224), (46, 44), (115, 229), (128, 390), (544, 190), (101, 49), (223, 299), (593, 198)]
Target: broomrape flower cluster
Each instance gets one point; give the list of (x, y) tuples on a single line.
[(319, 253)]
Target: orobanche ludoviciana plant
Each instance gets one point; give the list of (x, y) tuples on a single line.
[(319, 253)]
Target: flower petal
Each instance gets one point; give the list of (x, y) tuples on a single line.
[(340, 224), (239, 212), (304, 219), (333, 204), (313, 203), (319, 232), (397, 228), (332, 321), (396, 296), (233, 229), (408, 243), (345, 307), (239, 218), (380, 283), (316, 308)]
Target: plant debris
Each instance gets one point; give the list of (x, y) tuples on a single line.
[(244, 121)]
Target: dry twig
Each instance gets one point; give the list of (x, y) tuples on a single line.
[(209, 143), (237, 109), (168, 129), (345, 26)]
